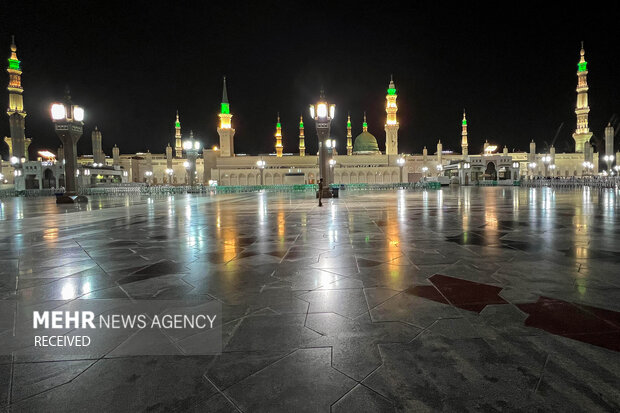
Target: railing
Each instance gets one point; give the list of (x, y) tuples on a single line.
[(592, 182), (142, 189)]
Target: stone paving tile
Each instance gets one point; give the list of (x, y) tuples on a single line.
[(302, 382), (354, 343), (135, 383), (361, 399)]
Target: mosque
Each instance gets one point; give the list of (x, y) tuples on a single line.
[(362, 163)]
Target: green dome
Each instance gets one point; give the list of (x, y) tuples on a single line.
[(365, 142)]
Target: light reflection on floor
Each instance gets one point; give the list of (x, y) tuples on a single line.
[(401, 291)]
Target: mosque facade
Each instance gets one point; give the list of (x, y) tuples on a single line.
[(363, 161)]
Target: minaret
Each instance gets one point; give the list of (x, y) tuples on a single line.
[(98, 155), (116, 156), (582, 133), (16, 112), (609, 141), (364, 124), (391, 123), (226, 132), (178, 145), (349, 136), (464, 145), (279, 138), (302, 139)]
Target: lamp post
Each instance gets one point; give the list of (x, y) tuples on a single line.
[(424, 171), (546, 159), (439, 169), (148, 175), (69, 123), (588, 166), (616, 168), (169, 172), (323, 113), (401, 163), (261, 166), (191, 148)]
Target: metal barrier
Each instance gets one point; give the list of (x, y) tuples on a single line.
[(592, 182), (139, 189)]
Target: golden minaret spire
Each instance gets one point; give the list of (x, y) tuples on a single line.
[(349, 136), (582, 132), (391, 123), (17, 141), (464, 144), (178, 146), (226, 131), (364, 124), (302, 139), (279, 138)]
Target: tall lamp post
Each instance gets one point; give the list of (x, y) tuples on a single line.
[(546, 159), (401, 163), (191, 148), (261, 166), (69, 124), (323, 113)]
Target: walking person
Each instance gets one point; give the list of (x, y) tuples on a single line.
[(321, 192)]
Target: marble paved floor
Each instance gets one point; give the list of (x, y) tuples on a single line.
[(463, 299)]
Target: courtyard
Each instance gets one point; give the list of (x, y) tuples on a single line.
[(459, 299)]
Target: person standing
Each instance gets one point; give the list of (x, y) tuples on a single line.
[(321, 192)]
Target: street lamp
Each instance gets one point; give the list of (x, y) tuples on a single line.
[(148, 175), (588, 166), (439, 169), (424, 171), (261, 165), (68, 123), (401, 163), (191, 148), (322, 112)]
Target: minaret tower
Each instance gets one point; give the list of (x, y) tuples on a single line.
[(464, 145), (226, 132), (279, 138), (349, 136), (364, 124), (302, 139), (582, 133), (98, 155), (391, 124), (178, 145), (16, 112)]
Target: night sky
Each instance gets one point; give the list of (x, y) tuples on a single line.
[(133, 64)]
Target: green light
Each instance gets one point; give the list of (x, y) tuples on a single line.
[(177, 124), (225, 108), (464, 122), (365, 124), (14, 64), (391, 91), (301, 125), (348, 124), (582, 66), (278, 125)]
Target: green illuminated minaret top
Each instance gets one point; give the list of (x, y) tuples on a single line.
[(225, 105), (365, 124), (582, 65)]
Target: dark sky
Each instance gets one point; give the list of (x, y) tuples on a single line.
[(132, 64)]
